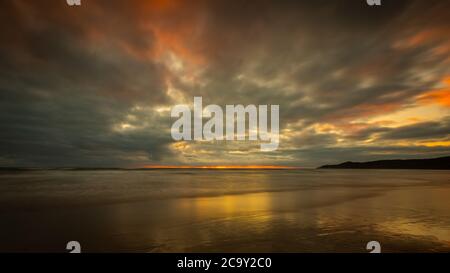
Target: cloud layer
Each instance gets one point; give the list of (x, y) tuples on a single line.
[(93, 85)]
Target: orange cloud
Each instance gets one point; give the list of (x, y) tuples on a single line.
[(174, 26), (365, 110), (177, 42), (424, 37), (436, 144), (437, 96), (441, 97)]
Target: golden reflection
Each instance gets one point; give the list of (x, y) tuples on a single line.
[(411, 227), (228, 205)]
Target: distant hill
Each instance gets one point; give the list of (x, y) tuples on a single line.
[(441, 163)]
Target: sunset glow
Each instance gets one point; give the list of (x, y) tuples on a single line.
[(99, 92), (224, 167), (198, 127)]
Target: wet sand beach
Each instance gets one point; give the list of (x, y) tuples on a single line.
[(225, 210)]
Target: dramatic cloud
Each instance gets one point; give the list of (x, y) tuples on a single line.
[(93, 85)]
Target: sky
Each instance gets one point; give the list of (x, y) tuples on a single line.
[(93, 85)]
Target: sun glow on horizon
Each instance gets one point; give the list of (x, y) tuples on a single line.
[(222, 167)]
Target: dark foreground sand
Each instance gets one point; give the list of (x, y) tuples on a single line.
[(231, 211)]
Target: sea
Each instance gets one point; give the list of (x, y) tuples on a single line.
[(195, 210)]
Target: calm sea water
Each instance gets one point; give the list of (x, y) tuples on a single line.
[(226, 210)]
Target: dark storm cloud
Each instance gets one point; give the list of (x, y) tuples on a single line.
[(321, 53), (423, 130), (70, 76), (60, 94), (419, 131)]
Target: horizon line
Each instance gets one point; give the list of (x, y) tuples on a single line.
[(173, 167), (222, 167)]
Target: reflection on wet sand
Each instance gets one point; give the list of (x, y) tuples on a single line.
[(204, 211)]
